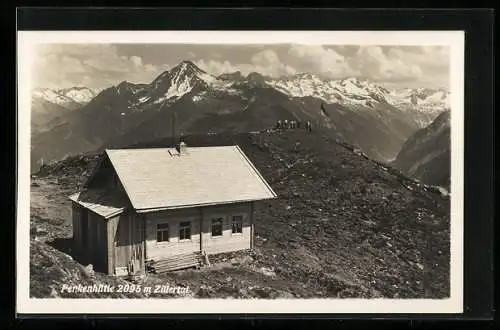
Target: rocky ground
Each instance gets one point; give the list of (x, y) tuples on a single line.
[(343, 226)]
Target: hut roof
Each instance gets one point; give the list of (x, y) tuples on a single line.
[(163, 178), (106, 203)]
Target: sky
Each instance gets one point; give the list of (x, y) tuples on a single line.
[(103, 65)]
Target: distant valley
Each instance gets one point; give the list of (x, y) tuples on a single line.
[(426, 155)]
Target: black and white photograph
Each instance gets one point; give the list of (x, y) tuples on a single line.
[(240, 171)]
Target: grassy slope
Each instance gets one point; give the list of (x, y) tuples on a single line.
[(343, 226)]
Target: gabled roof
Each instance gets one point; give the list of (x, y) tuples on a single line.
[(157, 178), (105, 203)]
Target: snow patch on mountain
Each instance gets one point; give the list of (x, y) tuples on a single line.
[(178, 87), (224, 86), (79, 94), (423, 99), (208, 78), (355, 91), (197, 98), (52, 96), (67, 96), (144, 99)]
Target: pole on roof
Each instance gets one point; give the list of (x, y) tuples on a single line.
[(173, 120)]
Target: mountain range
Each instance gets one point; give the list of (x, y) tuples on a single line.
[(67, 97), (373, 118), (49, 104)]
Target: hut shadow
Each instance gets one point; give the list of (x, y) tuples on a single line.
[(65, 245)]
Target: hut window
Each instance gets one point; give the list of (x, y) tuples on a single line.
[(237, 224), (162, 232), (185, 230), (217, 227)]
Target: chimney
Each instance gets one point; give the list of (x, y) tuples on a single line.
[(182, 148)]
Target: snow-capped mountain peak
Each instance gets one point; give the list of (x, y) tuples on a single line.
[(425, 99), (67, 97), (188, 70), (79, 94), (350, 91), (183, 78), (52, 96), (360, 91), (179, 81), (361, 86)]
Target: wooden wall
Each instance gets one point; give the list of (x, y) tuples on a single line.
[(103, 175), (96, 245), (90, 239), (76, 213), (125, 242), (111, 244), (228, 241), (199, 218), (156, 249)]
